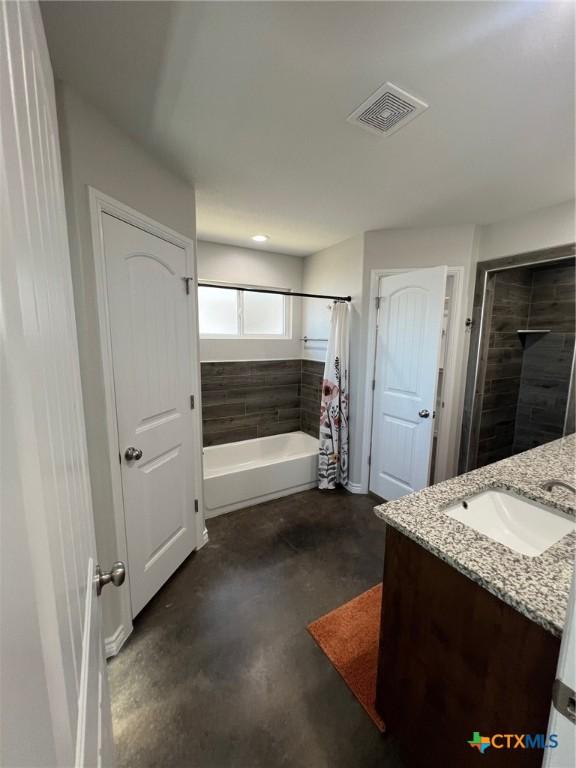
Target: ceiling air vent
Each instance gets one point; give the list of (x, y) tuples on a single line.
[(387, 110)]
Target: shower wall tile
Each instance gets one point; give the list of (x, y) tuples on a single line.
[(312, 377), (279, 427), (314, 367), (557, 315), (249, 399), (509, 322), (232, 436), (552, 302), (289, 414), (263, 402), (510, 340), (210, 412), (556, 292), (543, 394), (547, 360), (499, 330), (493, 400), (503, 364), (556, 276)]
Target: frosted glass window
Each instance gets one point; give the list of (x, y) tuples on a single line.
[(242, 314), (263, 314), (218, 312)]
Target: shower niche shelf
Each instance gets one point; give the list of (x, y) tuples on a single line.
[(530, 336)]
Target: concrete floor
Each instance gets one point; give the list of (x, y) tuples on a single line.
[(220, 671)]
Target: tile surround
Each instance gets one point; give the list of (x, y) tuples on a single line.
[(510, 303), (477, 357), (547, 359), (311, 392), (526, 379), (256, 398)]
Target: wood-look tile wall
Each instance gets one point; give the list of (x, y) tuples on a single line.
[(311, 393), (510, 309), (547, 359), (481, 337), (523, 403), (245, 400)]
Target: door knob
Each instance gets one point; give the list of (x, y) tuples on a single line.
[(424, 414), (116, 575), (133, 454)]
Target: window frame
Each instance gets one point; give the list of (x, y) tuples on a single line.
[(287, 305)]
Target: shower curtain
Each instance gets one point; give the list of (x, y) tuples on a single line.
[(333, 458)]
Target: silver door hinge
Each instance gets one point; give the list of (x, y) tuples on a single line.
[(373, 384), (192, 403), (564, 700), (369, 461), (195, 505), (187, 284), (377, 302)]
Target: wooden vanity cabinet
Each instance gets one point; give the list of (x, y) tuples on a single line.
[(455, 659)]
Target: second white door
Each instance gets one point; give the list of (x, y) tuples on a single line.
[(159, 446), (411, 310)]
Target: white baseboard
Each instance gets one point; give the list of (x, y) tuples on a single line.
[(253, 501), (356, 488), (204, 539), (113, 643)]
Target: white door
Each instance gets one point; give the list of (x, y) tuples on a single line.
[(152, 350), (563, 714), (408, 343), (54, 707)]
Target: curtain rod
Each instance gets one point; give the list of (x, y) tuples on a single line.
[(281, 293)]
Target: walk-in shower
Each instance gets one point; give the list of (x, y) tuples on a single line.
[(520, 379)]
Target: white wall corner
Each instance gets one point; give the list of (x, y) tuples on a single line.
[(356, 488), (114, 643), (533, 231), (203, 539)]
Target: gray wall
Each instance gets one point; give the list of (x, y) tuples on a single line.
[(426, 247), (534, 231), (249, 266), (96, 153), (346, 267), (337, 271)]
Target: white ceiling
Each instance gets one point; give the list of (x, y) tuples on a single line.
[(249, 100)]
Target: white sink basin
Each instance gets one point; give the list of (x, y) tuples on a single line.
[(523, 525)]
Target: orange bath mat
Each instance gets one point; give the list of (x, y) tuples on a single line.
[(349, 637)]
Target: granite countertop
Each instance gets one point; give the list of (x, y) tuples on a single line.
[(538, 586)]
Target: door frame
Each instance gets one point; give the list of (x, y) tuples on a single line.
[(449, 434), (100, 203)]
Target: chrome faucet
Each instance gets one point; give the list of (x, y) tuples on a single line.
[(548, 485)]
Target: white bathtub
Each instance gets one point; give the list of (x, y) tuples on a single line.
[(249, 472)]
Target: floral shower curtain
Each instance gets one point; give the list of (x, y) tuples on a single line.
[(333, 460)]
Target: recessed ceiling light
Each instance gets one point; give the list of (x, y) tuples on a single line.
[(260, 238)]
